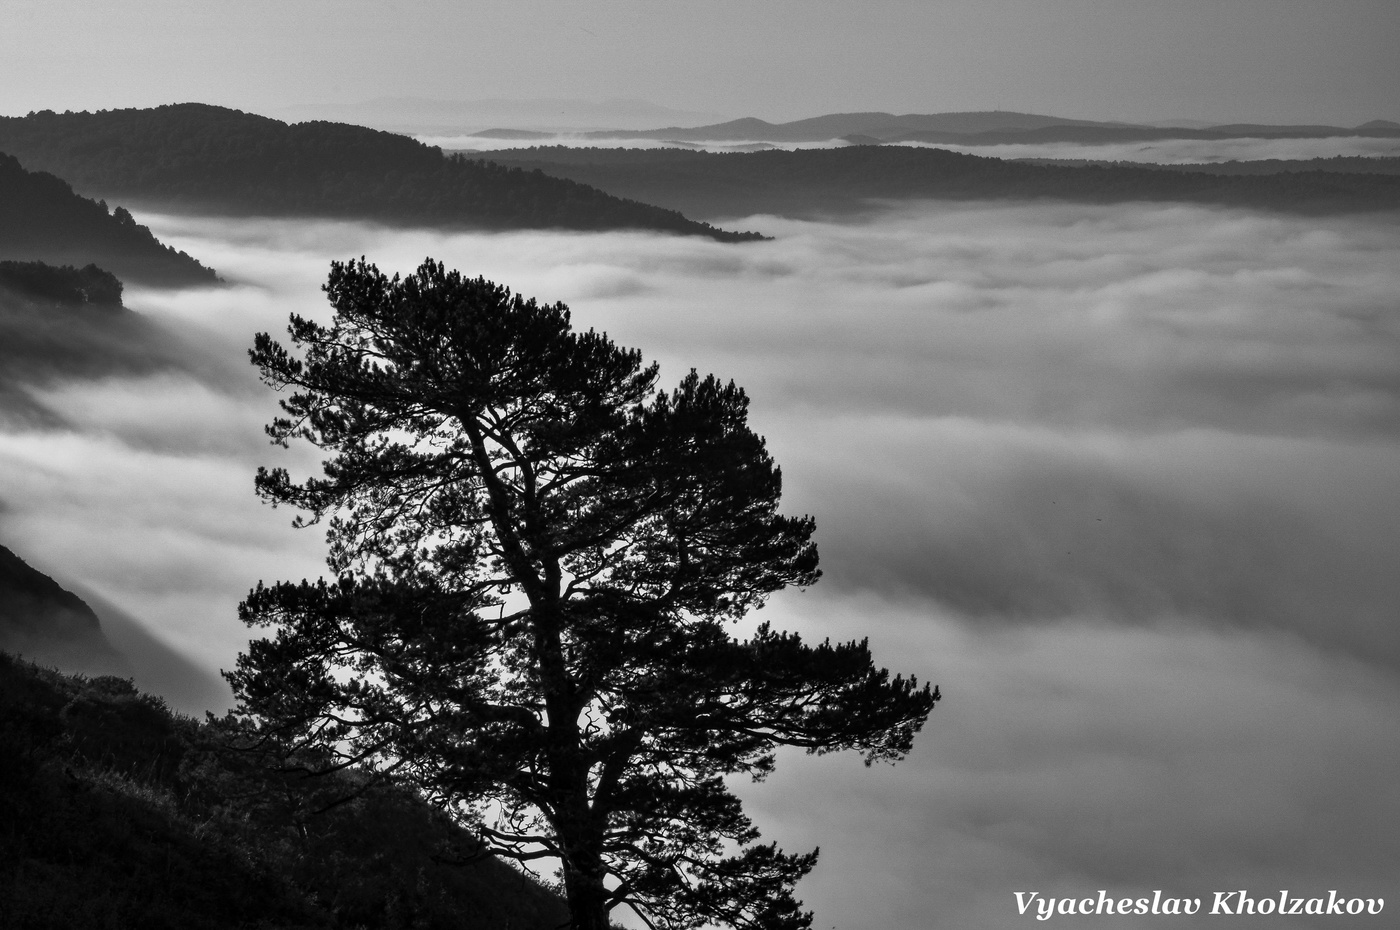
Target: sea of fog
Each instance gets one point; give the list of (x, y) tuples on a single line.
[(1162, 151), (1123, 480)]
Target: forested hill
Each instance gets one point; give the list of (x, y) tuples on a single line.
[(210, 158), (817, 182), (41, 218)]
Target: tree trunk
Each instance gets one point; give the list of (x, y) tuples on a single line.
[(586, 894), (581, 838)]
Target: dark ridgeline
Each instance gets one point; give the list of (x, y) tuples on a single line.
[(818, 182), (42, 218), (41, 619), (194, 156), (1104, 134), (119, 813), (882, 127)]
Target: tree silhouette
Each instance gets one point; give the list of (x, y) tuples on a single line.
[(537, 558)]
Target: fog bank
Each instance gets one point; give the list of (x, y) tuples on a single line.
[(1122, 480)]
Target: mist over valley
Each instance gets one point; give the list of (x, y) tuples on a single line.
[(1100, 470)]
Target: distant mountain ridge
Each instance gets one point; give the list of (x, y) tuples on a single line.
[(1090, 135), (812, 183), (985, 127), (213, 159), (879, 125)]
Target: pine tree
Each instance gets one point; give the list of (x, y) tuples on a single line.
[(537, 560)]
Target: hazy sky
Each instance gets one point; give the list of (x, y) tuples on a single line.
[(1226, 60)]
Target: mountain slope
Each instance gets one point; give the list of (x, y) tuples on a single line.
[(121, 815), (42, 218), (194, 156), (41, 619)]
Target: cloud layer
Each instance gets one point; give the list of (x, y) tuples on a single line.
[(1122, 480)]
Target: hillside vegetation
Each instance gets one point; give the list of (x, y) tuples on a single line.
[(817, 182), (41, 218), (63, 285), (120, 814), (199, 157)]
